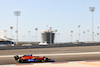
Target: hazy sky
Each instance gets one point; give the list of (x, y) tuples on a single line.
[(61, 15)]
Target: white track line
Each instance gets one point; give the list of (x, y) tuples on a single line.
[(9, 65), (55, 54), (45, 63), (76, 61)]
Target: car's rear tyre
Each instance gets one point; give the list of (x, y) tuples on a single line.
[(20, 61)]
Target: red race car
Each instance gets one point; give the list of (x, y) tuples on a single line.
[(30, 58)]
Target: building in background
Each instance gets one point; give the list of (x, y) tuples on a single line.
[(47, 37), (5, 41)]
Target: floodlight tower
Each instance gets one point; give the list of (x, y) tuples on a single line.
[(84, 36), (36, 33), (98, 33), (71, 36), (17, 13), (79, 32), (11, 30), (92, 10), (88, 34)]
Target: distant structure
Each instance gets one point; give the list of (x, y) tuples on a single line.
[(48, 36), (5, 41)]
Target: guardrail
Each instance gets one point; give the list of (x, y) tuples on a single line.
[(46, 46)]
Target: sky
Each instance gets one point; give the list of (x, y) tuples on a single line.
[(62, 15)]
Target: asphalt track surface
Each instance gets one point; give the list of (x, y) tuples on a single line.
[(58, 58)]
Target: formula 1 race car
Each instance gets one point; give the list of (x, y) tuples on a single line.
[(30, 58)]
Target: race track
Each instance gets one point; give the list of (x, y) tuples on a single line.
[(57, 58)]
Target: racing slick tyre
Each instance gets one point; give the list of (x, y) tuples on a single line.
[(20, 61), (46, 59), (16, 57)]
